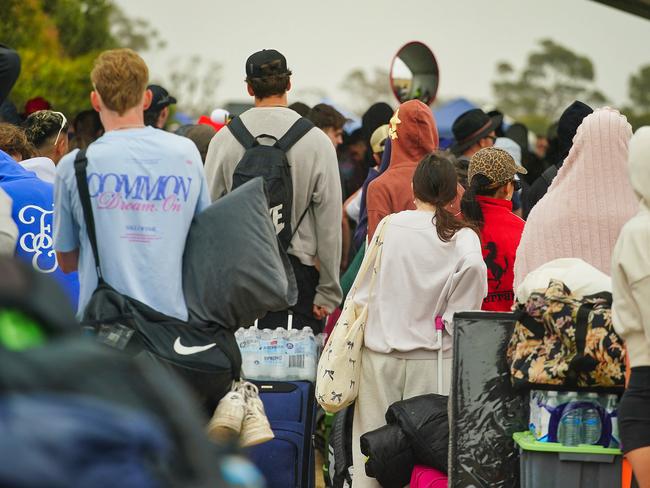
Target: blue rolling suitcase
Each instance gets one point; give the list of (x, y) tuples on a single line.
[(288, 460)]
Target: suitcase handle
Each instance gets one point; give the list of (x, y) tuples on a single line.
[(274, 386)]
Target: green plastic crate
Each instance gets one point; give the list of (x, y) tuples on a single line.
[(552, 465)]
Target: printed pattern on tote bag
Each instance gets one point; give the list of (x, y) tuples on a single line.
[(564, 340)]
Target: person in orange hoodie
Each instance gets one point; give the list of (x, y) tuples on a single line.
[(413, 135)]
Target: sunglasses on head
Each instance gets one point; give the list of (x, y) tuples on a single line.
[(64, 122)]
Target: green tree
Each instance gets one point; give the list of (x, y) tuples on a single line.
[(194, 83), (364, 89), (639, 89), (638, 112), (553, 77), (58, 41)]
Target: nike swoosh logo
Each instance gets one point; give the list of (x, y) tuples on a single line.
[(186, 351)]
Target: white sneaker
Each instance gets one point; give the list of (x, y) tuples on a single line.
[(227, 419), (255, 427)]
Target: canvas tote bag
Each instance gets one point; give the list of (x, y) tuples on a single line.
[(339, 367)]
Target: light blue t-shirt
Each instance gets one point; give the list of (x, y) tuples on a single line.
[(145, 186)]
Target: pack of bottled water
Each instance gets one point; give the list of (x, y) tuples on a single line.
[(572, 418), (279, 354)]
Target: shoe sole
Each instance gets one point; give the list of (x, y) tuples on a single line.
[(256, 435), (225, 427)]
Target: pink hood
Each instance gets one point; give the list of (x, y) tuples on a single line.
[(588, 202)]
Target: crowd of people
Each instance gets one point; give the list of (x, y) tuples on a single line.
[(459, 228)]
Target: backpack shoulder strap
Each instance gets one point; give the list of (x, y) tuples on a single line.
[(80, 164), (549, 174), (241, 133), (294, 134)]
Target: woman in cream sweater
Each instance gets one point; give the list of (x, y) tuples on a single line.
[(631, 312), (431, 266)]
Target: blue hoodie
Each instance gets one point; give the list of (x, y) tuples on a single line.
[(33, 209)]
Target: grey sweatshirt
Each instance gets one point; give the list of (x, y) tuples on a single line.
[(316, 183)]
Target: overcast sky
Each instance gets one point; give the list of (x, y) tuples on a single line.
[(324, 40)]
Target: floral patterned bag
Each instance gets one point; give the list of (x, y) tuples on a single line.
[(339, 368), (566, 341)]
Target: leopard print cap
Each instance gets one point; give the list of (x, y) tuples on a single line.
[(496, 164)]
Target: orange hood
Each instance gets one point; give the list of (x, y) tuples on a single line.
[(413, 134)]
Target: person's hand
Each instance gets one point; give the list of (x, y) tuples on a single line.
[(319, 312)]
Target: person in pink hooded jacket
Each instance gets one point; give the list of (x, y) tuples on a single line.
[(587, 204)]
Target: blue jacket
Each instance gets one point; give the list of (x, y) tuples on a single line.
[(33, 209)]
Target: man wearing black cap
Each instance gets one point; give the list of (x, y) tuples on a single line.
[(473, 131), (316, 188), (158, 112)]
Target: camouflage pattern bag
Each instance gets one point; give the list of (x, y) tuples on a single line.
[(567, 341), (339, 367)]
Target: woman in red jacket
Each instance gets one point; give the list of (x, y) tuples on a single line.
[(487, 204)]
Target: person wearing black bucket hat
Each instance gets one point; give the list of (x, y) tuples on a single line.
[(473, 131)]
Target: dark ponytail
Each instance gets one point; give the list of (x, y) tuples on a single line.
[(435, 182), (470, 207)]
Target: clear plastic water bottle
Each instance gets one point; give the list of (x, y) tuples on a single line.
[(551, 402), (543, 406), (264, 356), (571, 422), (251, 360), (242, 343), (291, 352), (611, 407), (277, 354), (592, 426), (534, 411), (320, 344), (239, 333), (302, 351), (311, 355)]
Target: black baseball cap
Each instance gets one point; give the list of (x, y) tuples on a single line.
[(161, 98), (266, 62)]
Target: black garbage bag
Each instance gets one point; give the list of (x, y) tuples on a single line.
[(425, 422), (340, 462), (390, 456), (234, 270), (485, 409)]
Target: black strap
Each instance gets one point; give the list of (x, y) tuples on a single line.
[(549, 174), (537, 328), (80, 164), (294, 134), (228, 344), (241, 133), (300, 222), (286, 142), (582, 327)]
